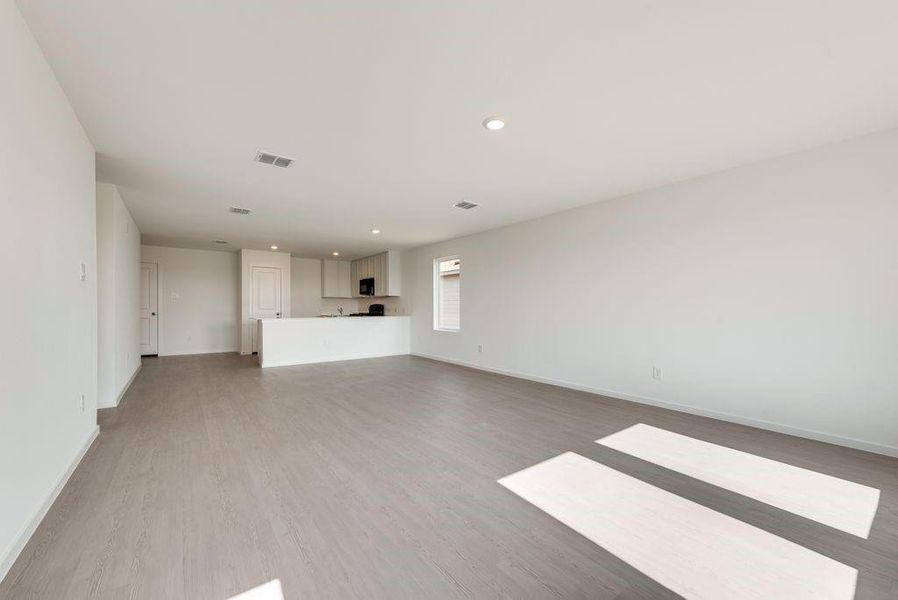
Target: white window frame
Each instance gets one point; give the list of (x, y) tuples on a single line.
[(436, 293)]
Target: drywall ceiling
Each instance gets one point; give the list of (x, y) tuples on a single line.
[(381, 104)]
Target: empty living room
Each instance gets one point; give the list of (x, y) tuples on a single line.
[(449, 299)]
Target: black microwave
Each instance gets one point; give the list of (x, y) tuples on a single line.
[(366, 286)]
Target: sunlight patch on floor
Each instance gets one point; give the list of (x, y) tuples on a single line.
[(835, 502), (692, 550), (267, 591)]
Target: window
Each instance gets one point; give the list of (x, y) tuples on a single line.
[(446, 294)]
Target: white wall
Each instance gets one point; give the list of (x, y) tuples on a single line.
[(305, 294), (198, 299), (49, 326), (118, 281), (768, 294), (106, 339), (260, 258)]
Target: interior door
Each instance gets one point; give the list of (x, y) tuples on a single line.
[(265, 301), (149, 309)]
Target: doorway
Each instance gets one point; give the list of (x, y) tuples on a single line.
[(149, 309), (265, 298)]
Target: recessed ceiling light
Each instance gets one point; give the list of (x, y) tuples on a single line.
[(493, 123), (335, 253), (274, 247), (375, 231)]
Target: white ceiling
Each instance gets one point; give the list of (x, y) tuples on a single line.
[(381, 104)]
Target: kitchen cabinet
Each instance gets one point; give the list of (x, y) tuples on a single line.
[(336, 279), (383, 267), (367, 271)]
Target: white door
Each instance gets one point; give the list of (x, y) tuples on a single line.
[(149, 308), (265, 302)]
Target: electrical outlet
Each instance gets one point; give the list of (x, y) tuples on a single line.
[(657, 373), (82, 403), (479, 348)]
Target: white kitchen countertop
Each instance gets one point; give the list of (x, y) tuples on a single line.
[(343, 318)]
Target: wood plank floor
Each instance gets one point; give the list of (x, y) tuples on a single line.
[(377, 479)]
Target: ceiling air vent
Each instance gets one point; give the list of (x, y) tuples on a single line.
[(466, 205), (273, 159), (221, 241), (240, 211)]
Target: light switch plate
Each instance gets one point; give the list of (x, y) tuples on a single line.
[(83, 272)]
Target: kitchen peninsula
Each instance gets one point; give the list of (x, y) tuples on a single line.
[(314, 339)]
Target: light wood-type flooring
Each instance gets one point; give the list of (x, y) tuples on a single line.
[(378, 479)]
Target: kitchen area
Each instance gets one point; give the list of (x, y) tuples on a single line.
[(359, 316)]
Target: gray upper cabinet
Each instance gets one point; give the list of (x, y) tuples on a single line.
[(390, 273), (336, 279), (383, 267)]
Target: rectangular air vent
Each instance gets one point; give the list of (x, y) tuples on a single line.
[(221, 242), (240, 211), (273, 159), (465, 205)]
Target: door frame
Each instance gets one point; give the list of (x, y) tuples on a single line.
[(254, 332), (158, 306), (260, 258)]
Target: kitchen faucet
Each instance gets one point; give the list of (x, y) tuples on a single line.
[(340, 309)]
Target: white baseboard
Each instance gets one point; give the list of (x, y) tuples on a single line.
[(685, 408), (12, 553), (121, 394), (128, 385), (192, 352)]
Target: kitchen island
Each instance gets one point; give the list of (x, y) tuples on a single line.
[(315, 339)]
